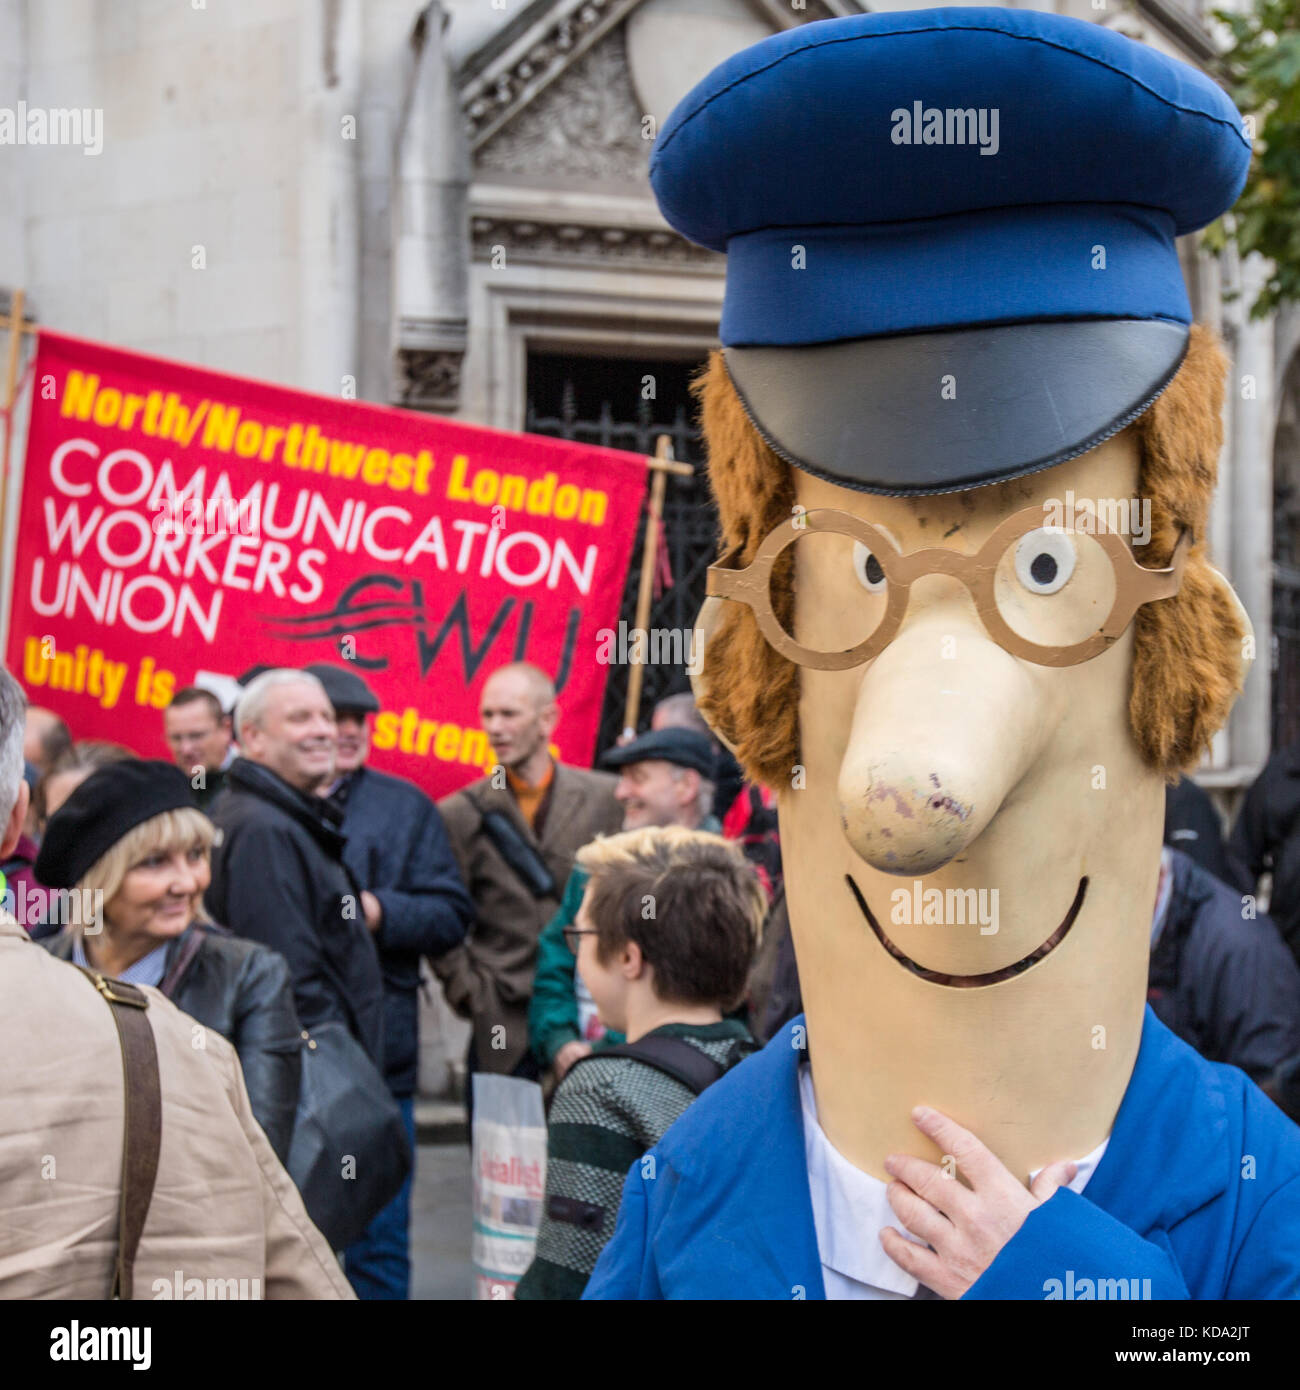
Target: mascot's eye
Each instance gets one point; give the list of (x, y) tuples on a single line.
[(1044, 561), (871, 574)]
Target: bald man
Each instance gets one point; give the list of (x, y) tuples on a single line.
[(45, 736), (514, 834)]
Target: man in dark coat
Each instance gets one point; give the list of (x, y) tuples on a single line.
[(198, 732), (1221, 980), (1192, 825), (415, 905), (538, 813), (1267, 837), (278, 875)]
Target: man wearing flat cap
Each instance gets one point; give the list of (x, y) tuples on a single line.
[(414, 905), (665, 777), (957, 356)]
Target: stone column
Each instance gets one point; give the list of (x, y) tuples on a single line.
[(388, 65), (431, 248), (1251, 422), (329, 209)]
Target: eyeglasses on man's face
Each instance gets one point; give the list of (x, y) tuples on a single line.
[(1053, 595), (571, 935)]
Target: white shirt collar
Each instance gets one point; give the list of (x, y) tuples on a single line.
[(851, 1207), (1164, 891), (148, 970)]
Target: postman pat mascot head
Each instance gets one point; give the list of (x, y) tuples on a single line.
[(963, 437)]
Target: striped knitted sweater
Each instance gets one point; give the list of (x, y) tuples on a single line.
[(604, 1115)]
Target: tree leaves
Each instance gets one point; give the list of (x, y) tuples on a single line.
[(1262, 73)]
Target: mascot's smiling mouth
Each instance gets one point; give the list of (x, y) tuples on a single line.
[(991, 977)]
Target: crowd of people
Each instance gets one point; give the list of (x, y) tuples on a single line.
[(618, 934)]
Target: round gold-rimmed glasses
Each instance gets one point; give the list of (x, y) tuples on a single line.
[(1020, 580)]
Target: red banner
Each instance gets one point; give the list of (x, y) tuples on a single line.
[(179, 524)]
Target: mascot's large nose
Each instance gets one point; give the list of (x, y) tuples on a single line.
[(946, 724)]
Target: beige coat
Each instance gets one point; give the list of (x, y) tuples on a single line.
[(223, 1208), (490, 978)]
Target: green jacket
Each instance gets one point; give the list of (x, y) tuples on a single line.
[(553, 1011), (604, 1115)]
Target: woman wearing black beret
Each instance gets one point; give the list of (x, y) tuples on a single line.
[(135, 847)]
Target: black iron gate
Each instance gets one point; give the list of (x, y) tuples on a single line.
[(601, 401), (1286, 656)]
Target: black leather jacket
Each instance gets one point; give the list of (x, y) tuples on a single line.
[(242, 991)]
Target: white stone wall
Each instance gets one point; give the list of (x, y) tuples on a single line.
[(13, 199), (205, 127)]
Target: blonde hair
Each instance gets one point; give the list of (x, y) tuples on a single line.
[(169, 831), (669, 842)]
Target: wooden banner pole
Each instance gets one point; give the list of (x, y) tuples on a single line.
[(660, 465), (13, 322)]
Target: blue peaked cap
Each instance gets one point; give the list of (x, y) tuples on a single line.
[(949, 173)]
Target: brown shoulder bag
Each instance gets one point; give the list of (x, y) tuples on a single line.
[(142, 1120)]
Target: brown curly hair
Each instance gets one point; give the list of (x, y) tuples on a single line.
[(1187, 664)]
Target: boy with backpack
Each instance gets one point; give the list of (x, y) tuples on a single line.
[(664, 940)]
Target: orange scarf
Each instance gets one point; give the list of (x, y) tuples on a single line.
[(530, 796)]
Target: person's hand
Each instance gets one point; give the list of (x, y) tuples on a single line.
[(568, 1055), (965, 1227), (373, 910)]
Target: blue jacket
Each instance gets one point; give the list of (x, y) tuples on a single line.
[(1198, 1191), (397, 847)]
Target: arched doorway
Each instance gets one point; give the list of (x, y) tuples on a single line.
[(600, 400)]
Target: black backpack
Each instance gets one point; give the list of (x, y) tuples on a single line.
[(677, 1058)]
